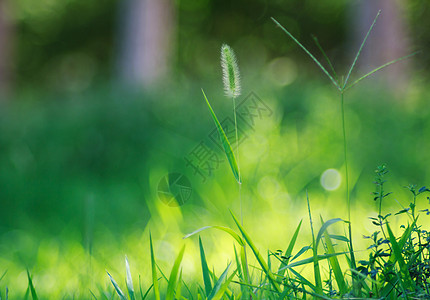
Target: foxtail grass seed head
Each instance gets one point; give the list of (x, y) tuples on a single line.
[(230, 72)]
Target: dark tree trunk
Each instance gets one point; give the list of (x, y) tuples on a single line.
[(387, 41), (146, 38)]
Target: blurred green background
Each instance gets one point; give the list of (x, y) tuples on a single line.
[(101, 99)]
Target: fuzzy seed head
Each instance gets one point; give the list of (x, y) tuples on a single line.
[(230, 72)]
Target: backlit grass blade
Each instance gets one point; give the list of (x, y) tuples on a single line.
[(220, 286), (258, 256), (406, 277), (289, 250), (225, 229), (225, 143), (154, 271), (205, 269), (31, 287), (334, 262), (179, 286), (117, 288), (324, 228), (129, 280), (311, 259), (173, 278)]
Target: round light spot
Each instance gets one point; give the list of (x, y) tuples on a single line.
[(282, 71), (330, 179)]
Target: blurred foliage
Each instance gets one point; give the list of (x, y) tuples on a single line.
[(79, 175), (69, 45)]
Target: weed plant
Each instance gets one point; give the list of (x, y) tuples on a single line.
[(398, 266)]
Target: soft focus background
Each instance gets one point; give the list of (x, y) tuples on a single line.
[(100, 100)]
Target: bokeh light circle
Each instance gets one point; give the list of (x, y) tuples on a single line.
[(330, 179)]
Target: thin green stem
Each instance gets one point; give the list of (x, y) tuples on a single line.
[(356, 283), (345, 153), (380, 68), (238, 160), (308, 53)]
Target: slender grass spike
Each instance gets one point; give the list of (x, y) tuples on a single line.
[(230, 72)]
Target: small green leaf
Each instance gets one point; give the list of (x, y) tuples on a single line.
[(174, 276), (220, 286), (225, 143), (117, 288), (154, 271), (289, 250), (258, 256), (31, 287), (129, 280), (225, 229), (205, 269)]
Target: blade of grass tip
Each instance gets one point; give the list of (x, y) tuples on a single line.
[(406, 277), (179, 287), (326, 58), (225, 143), (289, 250), (225, 229), (317, 272), (334, 262), (4, 274), (380, 68), (308, 53), (154, 271), (241, 270), (31, 287), (146, 293), (129, 280), (359, 50), (257, 254), (174, 276), (205, 270), (220, 286), (324, 228), (117, 288)]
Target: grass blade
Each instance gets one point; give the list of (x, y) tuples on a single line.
[(205, 269), (174, 276), (225, 229), (129, 280), (154, 271), (326, 58), (379, 68), (117, 288), (225, 143), (31, 287), (406, 277), (359, 50), (334, 262), (324, 228), (258, 256), (311, 259), (308, 53), (220, 286), (289, 250)]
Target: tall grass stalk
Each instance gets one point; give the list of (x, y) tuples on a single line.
[(342, 87), (231, 80)]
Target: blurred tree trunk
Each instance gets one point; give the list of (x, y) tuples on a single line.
[(5, 49), (146, 41), (388, 40)]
